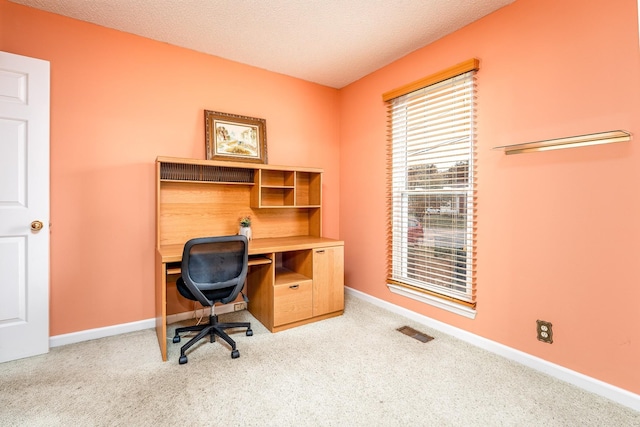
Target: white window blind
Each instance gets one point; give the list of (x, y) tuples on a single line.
[(431, 188)]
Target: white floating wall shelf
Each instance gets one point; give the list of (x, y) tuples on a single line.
[(568, 142)]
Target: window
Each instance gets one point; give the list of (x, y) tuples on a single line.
[(431, 194)]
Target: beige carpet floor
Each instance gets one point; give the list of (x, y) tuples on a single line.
[(354, 370)]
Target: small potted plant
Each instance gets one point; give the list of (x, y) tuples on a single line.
[(245, 226)]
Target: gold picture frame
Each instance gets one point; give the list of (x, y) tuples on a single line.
[(235, 138)]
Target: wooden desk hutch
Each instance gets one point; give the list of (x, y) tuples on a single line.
[(295, 275)]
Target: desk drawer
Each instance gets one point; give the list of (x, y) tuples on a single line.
[(292, 302)]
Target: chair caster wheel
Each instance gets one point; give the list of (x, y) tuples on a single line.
[(234, 354), (182, 360), (249, 332), (176, 339)]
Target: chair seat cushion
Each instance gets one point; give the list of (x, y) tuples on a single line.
[(215, 295)]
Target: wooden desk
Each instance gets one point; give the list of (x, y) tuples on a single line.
[(291, 281), (295, 276)]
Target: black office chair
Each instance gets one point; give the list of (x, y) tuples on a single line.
[(213, 270)]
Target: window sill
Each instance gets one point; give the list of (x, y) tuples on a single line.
[(459, 309)]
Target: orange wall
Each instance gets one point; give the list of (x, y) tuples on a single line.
[(557, 231), (117, 102)]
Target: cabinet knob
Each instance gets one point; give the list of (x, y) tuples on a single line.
[(320, 251), (294, 286)]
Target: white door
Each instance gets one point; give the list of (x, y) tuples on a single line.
[(24, 206)]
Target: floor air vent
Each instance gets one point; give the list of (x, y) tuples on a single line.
[(415, 334)]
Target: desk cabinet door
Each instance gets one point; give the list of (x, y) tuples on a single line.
[(328, 280)]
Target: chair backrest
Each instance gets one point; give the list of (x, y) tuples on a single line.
[(215, 268)]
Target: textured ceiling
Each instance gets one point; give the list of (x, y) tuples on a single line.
[(331, 42)]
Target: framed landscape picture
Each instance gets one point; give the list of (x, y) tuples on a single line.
[(235, 138)]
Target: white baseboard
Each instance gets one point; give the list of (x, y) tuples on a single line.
[(108, 331), (577, 379)]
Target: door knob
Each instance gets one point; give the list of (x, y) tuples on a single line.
[(36, 226)]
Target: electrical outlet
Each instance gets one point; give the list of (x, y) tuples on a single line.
[(240, 306), (545, 331)]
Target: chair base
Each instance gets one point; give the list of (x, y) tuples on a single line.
[(211, 329)]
